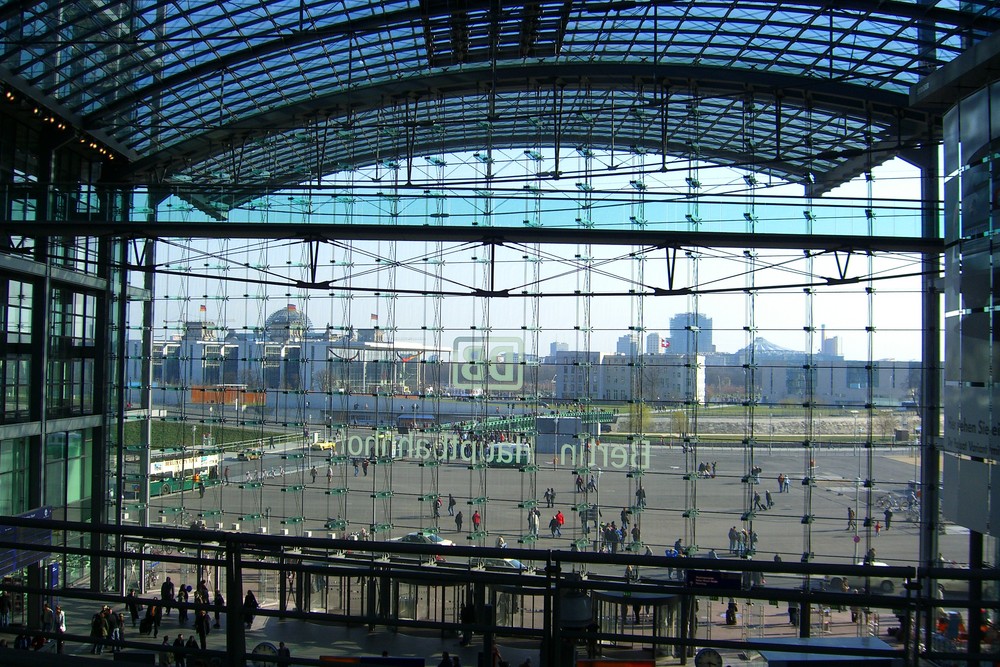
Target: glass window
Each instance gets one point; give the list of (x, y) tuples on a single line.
[(14, 476)]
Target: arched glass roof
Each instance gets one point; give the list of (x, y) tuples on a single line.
[(259, 95)]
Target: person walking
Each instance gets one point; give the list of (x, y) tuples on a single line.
[(554, 527), (250, 605), (132, 604), (451, 505), (182, 599), (477, 521), (166, 654), (768, 500), (458, 521), (60, 627), (852, 522), (202, 625), (179, 653), (5, 608), (119, 620), (154, 612), (313, 473), (167, 593), (284, 654), (46, 618), (219, 602), (888, 518), (468, 618), (98, 633)]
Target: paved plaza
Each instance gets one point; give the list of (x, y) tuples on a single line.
[(720, 502)]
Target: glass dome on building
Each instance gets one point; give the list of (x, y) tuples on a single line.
[(286, 324)]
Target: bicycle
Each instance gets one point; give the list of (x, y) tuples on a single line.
[(887, 501)]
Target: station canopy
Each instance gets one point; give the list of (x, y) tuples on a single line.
[(252, 97)]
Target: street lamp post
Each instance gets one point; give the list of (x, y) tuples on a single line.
[(770, 428), (597, 521)]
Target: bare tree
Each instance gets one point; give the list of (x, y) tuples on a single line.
[(640, 418), (679, 423), (886, 421)]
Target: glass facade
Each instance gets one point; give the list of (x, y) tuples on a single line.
[(972, 186)]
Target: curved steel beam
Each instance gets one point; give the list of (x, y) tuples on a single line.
[(885, 107)]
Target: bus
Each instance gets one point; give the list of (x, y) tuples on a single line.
[(173, 471), (415, 421)]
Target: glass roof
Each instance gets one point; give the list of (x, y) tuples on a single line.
[(266, 94)]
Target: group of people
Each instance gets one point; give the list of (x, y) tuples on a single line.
[(556, 524), (784, 483), (706, 469), (613, 537), (762, 504), (741, 542), (477, 521), (184, 597), (107, 628), (582, 487), (314, 473)]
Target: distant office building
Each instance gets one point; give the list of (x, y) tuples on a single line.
[(656, 344), (556, 348), (691, 333), (829, 347), (577, 374), (656, 378), (627, 345)]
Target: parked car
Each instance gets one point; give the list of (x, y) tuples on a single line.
[(325, 445), (250, 455), (421, 537), (880, 585), (499, 564)]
